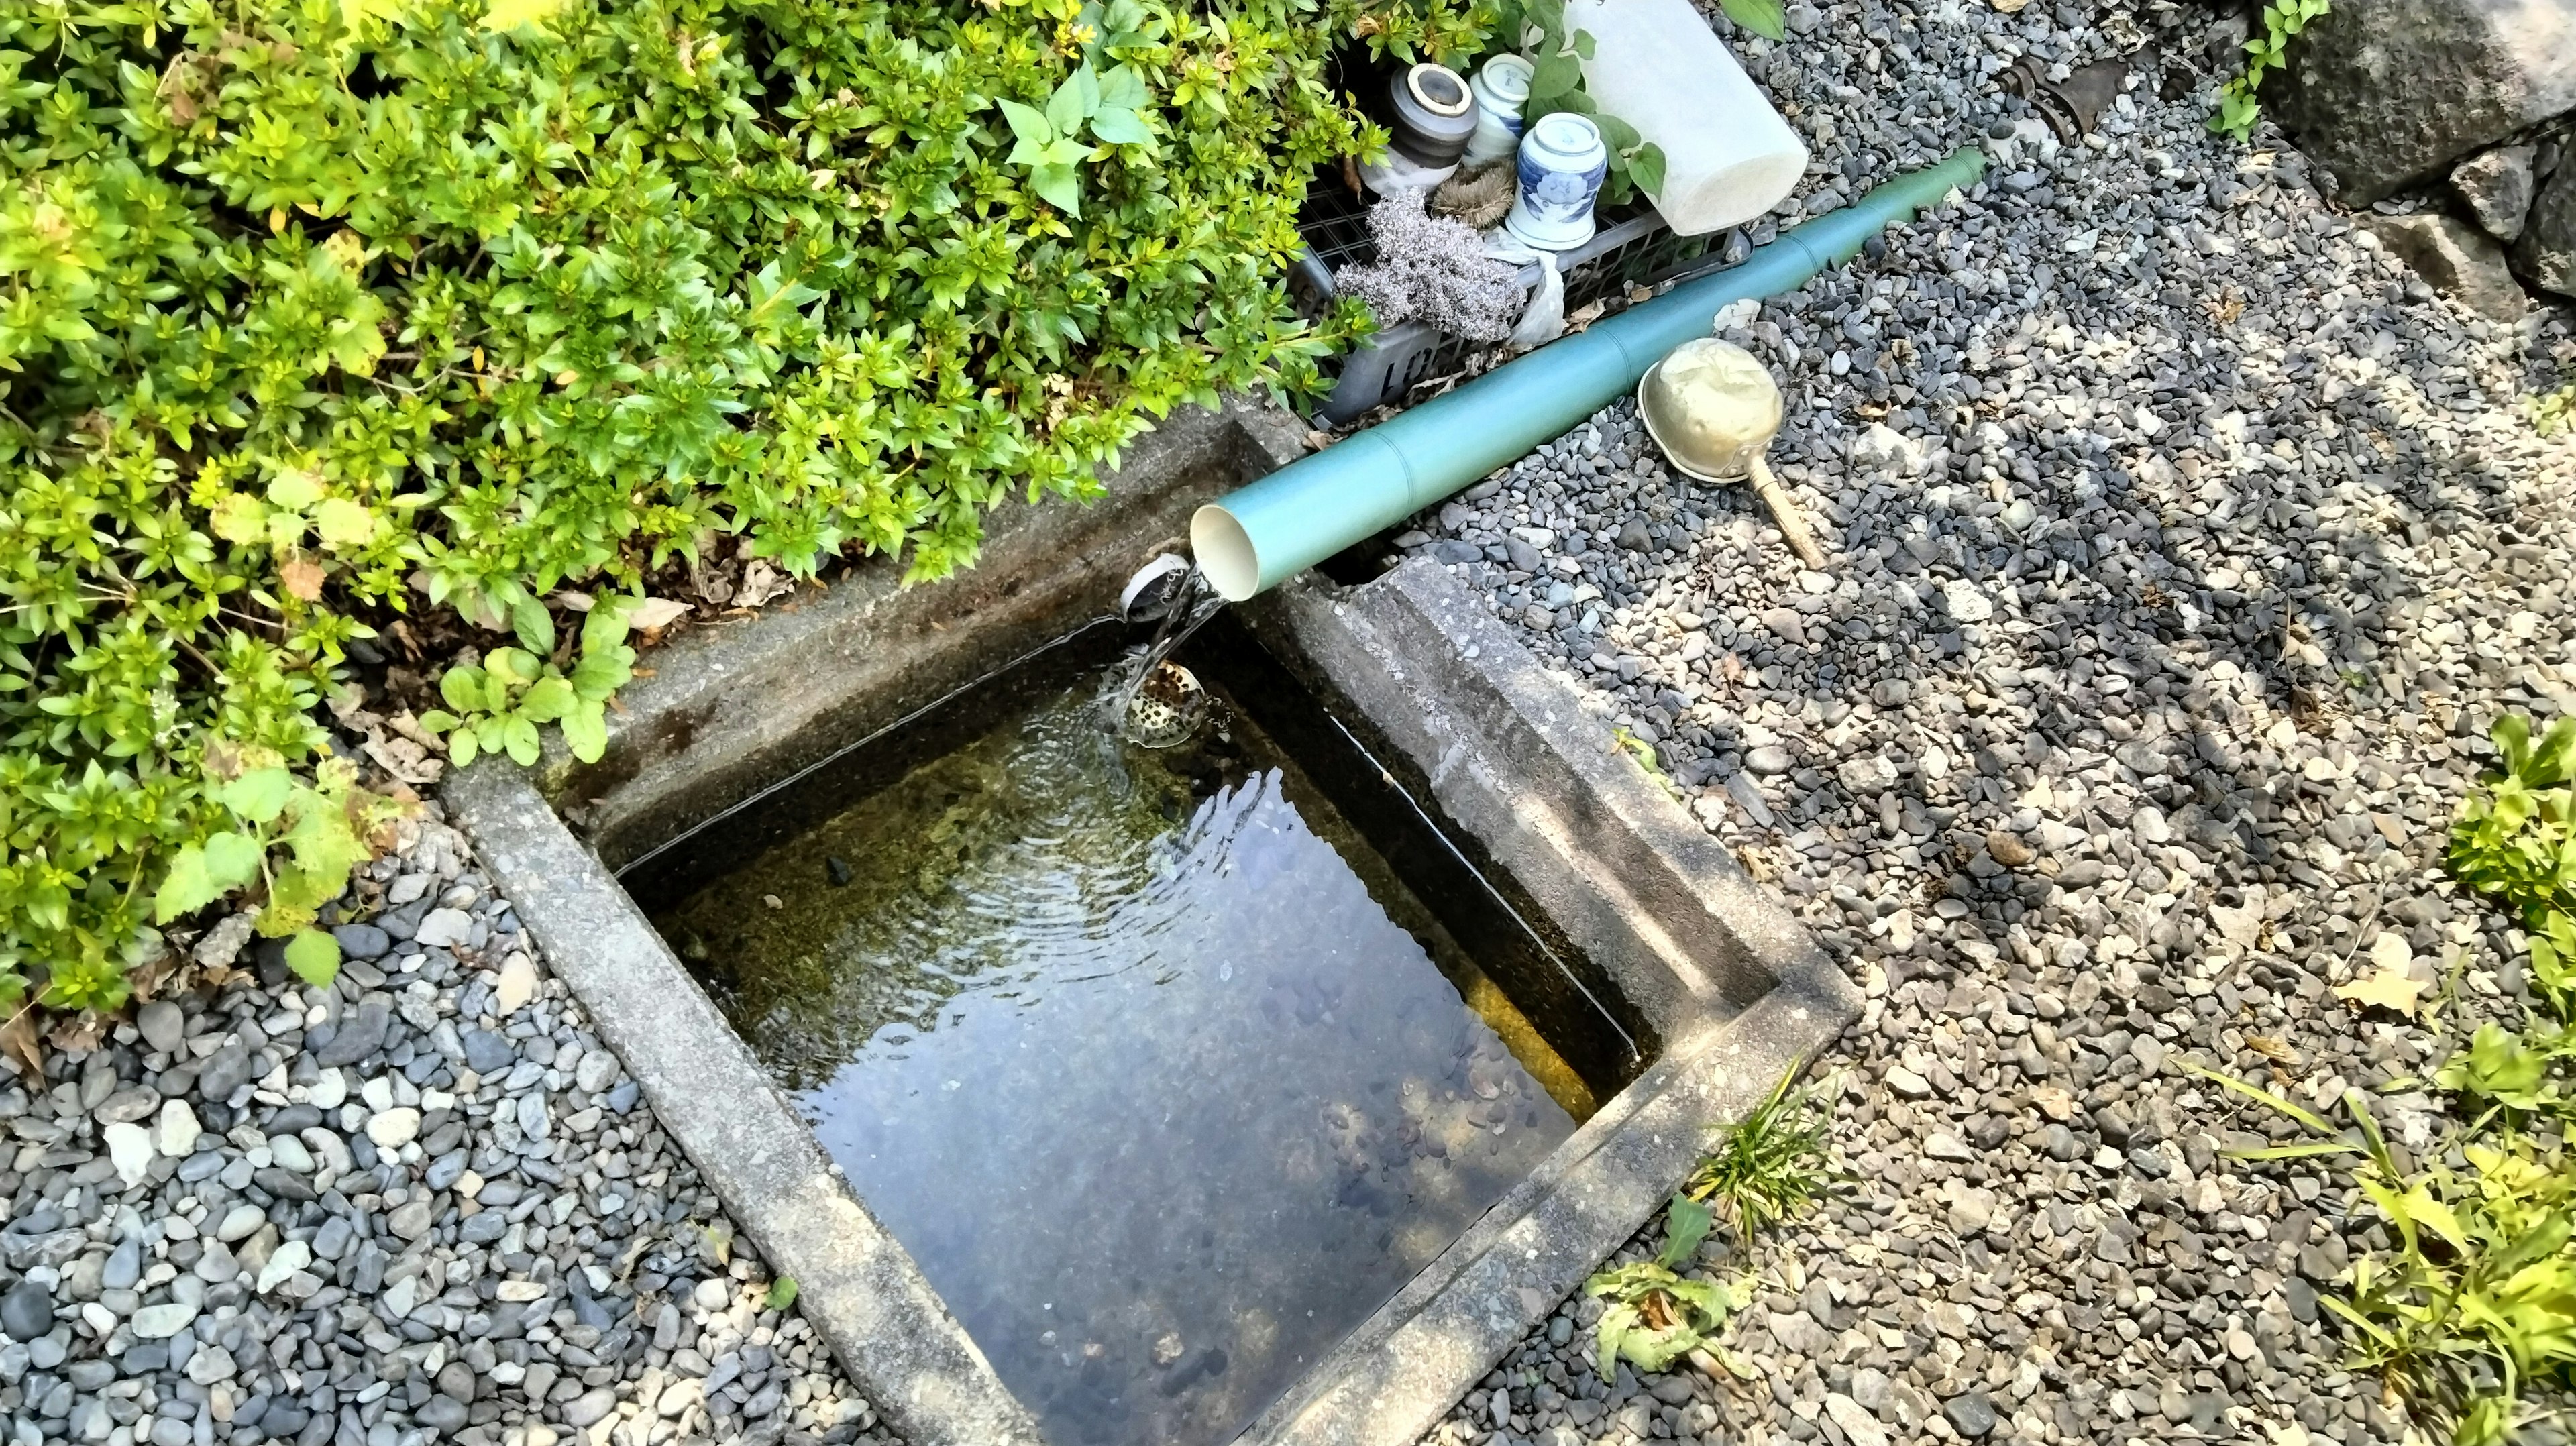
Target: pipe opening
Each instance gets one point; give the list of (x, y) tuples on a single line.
[(1225, 554)]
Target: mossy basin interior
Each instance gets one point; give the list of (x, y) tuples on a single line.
[(1168, 1067)]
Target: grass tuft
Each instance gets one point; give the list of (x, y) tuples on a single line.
[(1768, 1166)]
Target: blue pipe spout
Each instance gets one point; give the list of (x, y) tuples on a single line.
[(1257, 536)]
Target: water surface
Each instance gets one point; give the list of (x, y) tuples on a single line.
[(1162, 1076)]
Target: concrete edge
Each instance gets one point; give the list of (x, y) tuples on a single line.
[(856, 1285), (1391, 1381), (735, 706), (1513, 758), (1745, 995)]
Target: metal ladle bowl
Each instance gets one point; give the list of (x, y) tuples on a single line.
[(1713, 408)]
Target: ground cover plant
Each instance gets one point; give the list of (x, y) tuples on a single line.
[(2470, 1306), (316, 314)]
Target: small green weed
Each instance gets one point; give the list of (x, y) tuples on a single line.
[(2474, 1303), (1768, 1166), (2554, 412), (1644, 753), (2516, 837), (2282, 19), (500, 703), (1657, 1316), (2510, 1071), (2476, 1300)]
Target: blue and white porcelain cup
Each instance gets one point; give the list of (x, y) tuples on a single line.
[(1502, 87), (1562, 164)]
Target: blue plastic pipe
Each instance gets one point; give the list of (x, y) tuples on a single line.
[(1256, 537)]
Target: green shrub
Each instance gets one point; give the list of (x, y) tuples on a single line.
[(314, 313)]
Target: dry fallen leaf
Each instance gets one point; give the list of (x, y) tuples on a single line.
[(403, 758), (656, 613), (303, 577), (80, 1034), (18, 1038), (760, 583), (2277, 1051), (2391, 989)]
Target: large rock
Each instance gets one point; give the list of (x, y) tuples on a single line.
[(2387, 92), (2454, 258), (2497, 185), (2548, 251)]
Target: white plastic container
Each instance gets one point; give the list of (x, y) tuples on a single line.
[(1728, 157)]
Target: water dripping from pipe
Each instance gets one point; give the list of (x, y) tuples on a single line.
[(1158, 703)]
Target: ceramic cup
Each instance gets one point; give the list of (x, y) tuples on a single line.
[(1435, 113), (1562, 164), (1502, 87)]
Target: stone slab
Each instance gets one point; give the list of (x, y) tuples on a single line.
[(2385, 93)]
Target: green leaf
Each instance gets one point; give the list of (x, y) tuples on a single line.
[(436, 721), (465, 691), (606, 626), (2309, 1118), (510, 667), (1066, 108), (2548, 764), (1027, 123), (1060, 185), (533, 625), (232, 859), (1621, 138), (585, 730), (519, 736), (546, 700), (462, 746), (1120, 127), (2307, 1149), (1686, 1223), (202, 873), (325, 846), (1583, 44), (342, 523), (1554, 75), (1069, 152), (1765, 18), (782, 1292), (1613, 1333), (601, 673), (1123, 89), (294, 489), (2512, 735), (259, 795), (315, 958), (1646, 168)]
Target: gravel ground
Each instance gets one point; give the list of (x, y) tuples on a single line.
[(2185, 547), (421, 1204)]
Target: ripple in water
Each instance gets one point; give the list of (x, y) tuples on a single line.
[(1127, 1050)]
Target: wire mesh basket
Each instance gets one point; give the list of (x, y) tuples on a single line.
[(1632, 248)]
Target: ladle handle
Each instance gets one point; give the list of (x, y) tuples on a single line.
[(1785, 512)]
